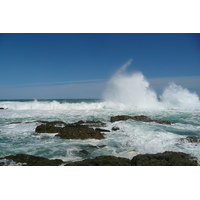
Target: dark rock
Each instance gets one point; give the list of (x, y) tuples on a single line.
[(101, 146), (69, 131), (115, 128), (30, 160), (91, 123), (190, 139), (102, 161), (101, 130), (47, 128), (142, 118), (84, 152), (167, 158), (3, 108), (79, 132)]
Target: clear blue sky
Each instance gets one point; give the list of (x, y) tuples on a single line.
[(78, 65)]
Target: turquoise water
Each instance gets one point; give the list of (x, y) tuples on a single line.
[(18, 123)]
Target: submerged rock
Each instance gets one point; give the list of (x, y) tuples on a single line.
[(102, 161), (141, 118), (69, 131), (29, 160), (168, 158), (190, 139)]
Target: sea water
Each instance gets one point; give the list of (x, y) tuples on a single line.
[(125, 94)]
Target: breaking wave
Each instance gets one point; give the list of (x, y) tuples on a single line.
[(134, 91)]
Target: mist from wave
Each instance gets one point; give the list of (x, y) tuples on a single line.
[(134, 91)]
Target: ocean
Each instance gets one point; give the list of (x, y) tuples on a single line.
[(19, 120), (125, 94)]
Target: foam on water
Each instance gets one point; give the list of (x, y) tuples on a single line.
[(125, 94)]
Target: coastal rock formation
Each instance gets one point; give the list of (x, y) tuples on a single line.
[(102, 161), (141, 118), (190, 139), (29, 160), (168, 158), (91, 123), (69, 131), (79, 132)]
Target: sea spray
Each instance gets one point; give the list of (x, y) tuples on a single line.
[(178, 97), (133, 91)]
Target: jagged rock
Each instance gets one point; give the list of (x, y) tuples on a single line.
[(69, 131), (102, 161), (115, 128), (29, 160), (190, 139), (142, 118), (79, 132), (168, 158)]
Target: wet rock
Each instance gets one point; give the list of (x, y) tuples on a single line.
[(3, 108), (79, 132), (101, 130), (168, 158), (29, 160), (141, 118), (91, 123), (102, 161), (115, 128), (190, 139), (69, 131), (48, 128), (84, 152)]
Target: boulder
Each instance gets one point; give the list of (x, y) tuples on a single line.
[(29, 160), (115, 128), (102, 161), (141, 118), (168, 158), (79, 132), (69, 131)]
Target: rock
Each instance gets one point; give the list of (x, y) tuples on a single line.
[(142, 118), (190, 139), (30, 160), (102, 161), (101, 130), (168, 158), (91, 123), (69, 131), (84, 152), (79, 132), (3, 108), (115, 128)]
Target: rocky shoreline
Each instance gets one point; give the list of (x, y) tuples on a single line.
[(93, 130), (167, 158)]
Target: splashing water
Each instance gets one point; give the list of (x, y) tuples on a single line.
[(133, 90)]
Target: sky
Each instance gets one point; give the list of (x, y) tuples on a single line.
[(78, 65)]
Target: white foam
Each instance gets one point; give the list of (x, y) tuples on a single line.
[(134, 91), (178, 97)]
